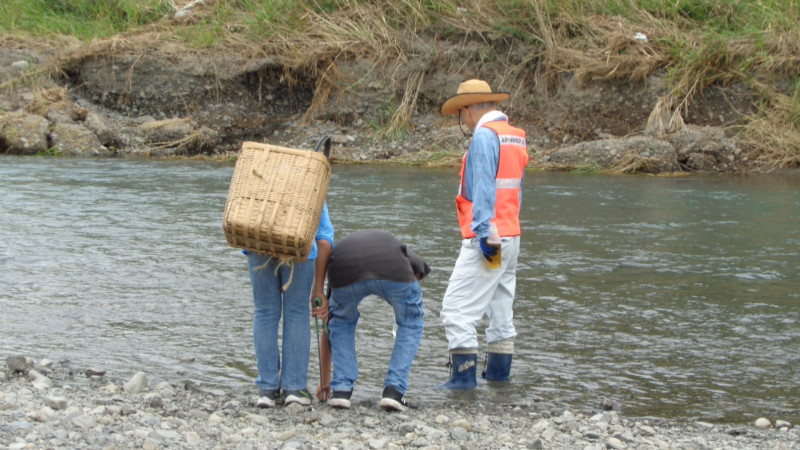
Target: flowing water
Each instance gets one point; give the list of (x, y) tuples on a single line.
[(672, 297)]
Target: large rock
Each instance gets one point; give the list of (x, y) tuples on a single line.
[(23, 134), (635, 154), (17, 364), (102, 129), (707, 149), (76, 140), (136, 384), (161, 132)]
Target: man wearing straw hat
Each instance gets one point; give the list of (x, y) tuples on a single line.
[(488, 206)]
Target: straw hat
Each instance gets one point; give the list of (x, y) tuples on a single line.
[(471, 92)]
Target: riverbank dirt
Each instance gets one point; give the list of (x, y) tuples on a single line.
[(47, 404), (156, 98)]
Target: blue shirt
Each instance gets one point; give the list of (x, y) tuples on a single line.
[(324, 231), (479, 184)]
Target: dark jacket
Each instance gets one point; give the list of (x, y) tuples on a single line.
[(373, 255)]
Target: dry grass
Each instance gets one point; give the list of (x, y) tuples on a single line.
[(313, 41), (611, 52), (401, 118), (630, 163), (193, 139), (44, 99), (774, 135), (606, 50)]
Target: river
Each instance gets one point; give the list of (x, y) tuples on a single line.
[(675, 297)]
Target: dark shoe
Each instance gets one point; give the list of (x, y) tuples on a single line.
[(340, 399), (268, 399), (498, 366), (301, 397), (393, 400), (464, 371)]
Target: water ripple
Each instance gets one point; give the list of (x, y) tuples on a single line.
[(675, 297)]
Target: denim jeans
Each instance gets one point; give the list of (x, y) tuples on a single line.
[(405, 299), (270, 303)]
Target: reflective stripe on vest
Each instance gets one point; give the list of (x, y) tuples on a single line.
[(510, 170)]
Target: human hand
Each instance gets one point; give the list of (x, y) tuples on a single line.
[(319, 307), (488, 250), (323, 392)]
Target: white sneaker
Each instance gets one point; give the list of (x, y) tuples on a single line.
[(301, 397), (393, 400), (268, 399), (340, 399)]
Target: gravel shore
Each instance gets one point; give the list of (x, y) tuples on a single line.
[(42, 406)]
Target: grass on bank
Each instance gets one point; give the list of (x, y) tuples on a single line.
[(84, 19), (698, 43)]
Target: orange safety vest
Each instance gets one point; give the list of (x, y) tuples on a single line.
[(508, 182)]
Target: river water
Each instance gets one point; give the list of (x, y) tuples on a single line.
[(672, 297)]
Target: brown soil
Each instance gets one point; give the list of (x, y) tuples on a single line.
[(241, 97)]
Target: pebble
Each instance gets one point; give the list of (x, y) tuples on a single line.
[(94, 413), (763, 423), (20, 65)]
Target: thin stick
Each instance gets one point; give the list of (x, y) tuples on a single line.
[(318, 303)]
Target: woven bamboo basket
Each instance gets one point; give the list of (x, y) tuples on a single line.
[(275, 199)]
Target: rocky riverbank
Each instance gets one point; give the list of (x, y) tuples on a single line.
[(164, 101), (49, 405)]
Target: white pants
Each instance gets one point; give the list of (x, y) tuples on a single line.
[(475, 290)]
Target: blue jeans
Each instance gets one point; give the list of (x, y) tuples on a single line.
[(294, 305), (405, 299)]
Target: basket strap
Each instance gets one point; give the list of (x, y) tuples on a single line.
[(324, 141)]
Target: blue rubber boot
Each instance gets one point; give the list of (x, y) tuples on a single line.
[(498, 366), (464, 371)]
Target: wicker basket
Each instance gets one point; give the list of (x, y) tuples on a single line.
[(275, 199)]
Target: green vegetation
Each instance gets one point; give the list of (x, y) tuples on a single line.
[(590, 168), (51, 152), (697, 42), (84, 19), (382, 124)]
